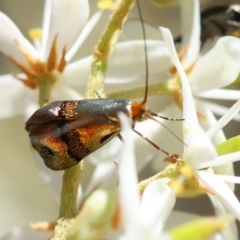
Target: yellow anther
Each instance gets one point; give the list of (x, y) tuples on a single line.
[(177, 187), (187, 171), (105, 4), (35, 33), (185, 128)]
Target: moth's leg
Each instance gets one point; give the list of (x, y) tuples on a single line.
[(120, 137), (156, 146), (99, 96)]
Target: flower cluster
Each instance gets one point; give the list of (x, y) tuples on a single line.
[(113, 202)]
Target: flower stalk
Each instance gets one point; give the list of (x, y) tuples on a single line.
[(104, 48), (72, 176), (168, 87), (45, 84)]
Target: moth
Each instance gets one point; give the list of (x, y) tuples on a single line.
[(65, 132)]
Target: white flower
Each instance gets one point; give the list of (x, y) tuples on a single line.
[(46, 60), (207, 73), (216, 68), (24, 191), (204, 83), (191, 36), (142, 218), (199, 150)]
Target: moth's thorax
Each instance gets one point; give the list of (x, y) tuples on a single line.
[(138, 111)]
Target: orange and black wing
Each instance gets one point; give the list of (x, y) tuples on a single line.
[(65, 132)]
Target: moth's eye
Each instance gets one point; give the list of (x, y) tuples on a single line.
[(141, 117)]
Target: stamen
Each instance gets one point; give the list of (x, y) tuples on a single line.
[(187, 171), (35, 33), (105, 4), (29, 82), (116, 220), (181, 55), (35, 64), (201, 186), (52, 58), (63, 62), (43, 226), (21, 67)]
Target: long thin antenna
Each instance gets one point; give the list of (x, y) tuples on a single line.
[(178, 138), (145, 51)]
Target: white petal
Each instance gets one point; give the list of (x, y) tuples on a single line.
[(122, 69), (189, 111), (220, 160), (86, 31), (105, 175), (221, 110), (208, 121), (157, 203), (156, 133), (145, 152), (63, 18), (133, 66), (219, 137), (22, 188), (199, 147), (52, 178), (221, 190), (128, 192), (217, 68), (223, 121), (113, 148), (61, 91), (14, 96), (226, 94), (230, 179), (10, 36), (220, 210), (190, 28)]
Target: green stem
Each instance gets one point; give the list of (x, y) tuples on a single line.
[(45, 84), (170, 172), (61, 229), (163, 88), (70, 184), (104, 48), (71, 177), (68, 205)]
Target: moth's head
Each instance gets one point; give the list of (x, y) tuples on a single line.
[(139, 111)]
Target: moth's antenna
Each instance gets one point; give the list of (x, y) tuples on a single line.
[(145, 50)]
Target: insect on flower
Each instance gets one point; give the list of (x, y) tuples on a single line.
[(65, 132)]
